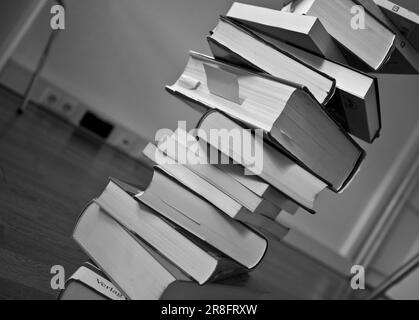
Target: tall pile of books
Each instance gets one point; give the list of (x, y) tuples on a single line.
[(291, 87)]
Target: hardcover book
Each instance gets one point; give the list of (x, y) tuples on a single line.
[(286, 112), (372, 44)]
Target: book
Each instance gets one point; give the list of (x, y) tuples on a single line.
[(185, 149), (265, 223), (356, 103), (277, 169), (288, 114), (405, 20), (219, 178), (90, 283), (197, 216), (372, 44), (303, 31), (260, 187), (76, 290), (196, 184), (232, 42), (128, 262), (187, 252), (405, 59), (252, 183), (271, 228)]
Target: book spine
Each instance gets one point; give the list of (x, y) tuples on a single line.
[(97, 283)]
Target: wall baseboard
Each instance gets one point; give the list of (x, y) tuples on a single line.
[(69, 107)]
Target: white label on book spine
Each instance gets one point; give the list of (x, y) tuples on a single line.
[(97, 283)]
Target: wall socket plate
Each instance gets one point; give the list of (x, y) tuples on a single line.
[(68, 106), (70, 109), (50, 98), (62, 104)]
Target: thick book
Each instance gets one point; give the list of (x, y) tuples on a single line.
[(198, 217), (277, 169), (232, 41), (286, 112), (304, 31), (129, 263), (260, 187), (228, 177), (182, 249), (405, 59), (185, 149), (356, 103), (373, 44), (249, 190), (196, 184), (405, 20), (215, 195), (90, 283), (271, 228)]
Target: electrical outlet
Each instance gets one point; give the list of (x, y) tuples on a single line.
[(50, 98), (69, 108), (61, 104)]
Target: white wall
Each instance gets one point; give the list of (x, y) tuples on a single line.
[(117, 56), (15, 19)]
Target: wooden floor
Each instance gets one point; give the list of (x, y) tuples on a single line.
[(49, 171)]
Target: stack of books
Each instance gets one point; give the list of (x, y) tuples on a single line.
[(281, 97)]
